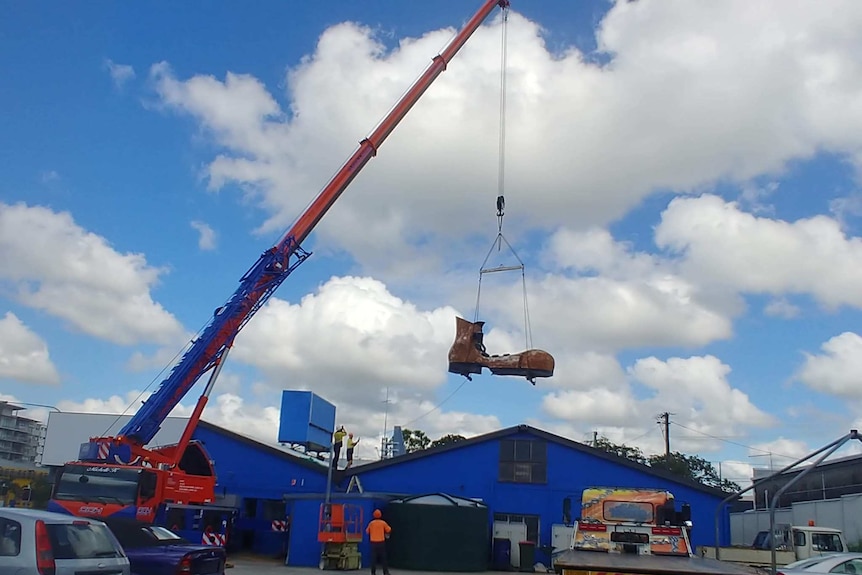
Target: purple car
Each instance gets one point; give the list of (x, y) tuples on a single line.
[(154, 550)]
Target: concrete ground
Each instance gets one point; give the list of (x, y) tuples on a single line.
[(253, 565)]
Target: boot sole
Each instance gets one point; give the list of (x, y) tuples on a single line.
[(528, 373), (464, 368)]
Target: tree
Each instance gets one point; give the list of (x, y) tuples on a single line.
[(447, 439), (622, 450), (692, 467), (415, 440)]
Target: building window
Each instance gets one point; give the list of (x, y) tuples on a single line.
[(523, 461)]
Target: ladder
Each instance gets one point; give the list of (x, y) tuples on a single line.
[(354, 482)]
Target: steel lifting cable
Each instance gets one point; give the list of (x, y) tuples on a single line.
[(501, 198), (501, 168)]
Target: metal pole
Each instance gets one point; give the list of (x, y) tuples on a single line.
[(853, 434), (666, 417), (329, 471)]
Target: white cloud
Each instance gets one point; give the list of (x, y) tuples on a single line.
[(126, 404), (740, 472), (596, 250), (23, 354), (584, 371), (49, 177), (206, 235), (695, 390), (838, 369), (30, 411), (349, 340), (166, 355), (261, 421), (367, 421), (780, 307), (847, 206), (54, 265), (597, 407), (615, 298), (722, 246), (225, 409), (121, 74), (692, 96), (778, 453), (633, 300), (754, 197), (643, 434)]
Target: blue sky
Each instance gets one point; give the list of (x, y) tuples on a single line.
[(681, 183)]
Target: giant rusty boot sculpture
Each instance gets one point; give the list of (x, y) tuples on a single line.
[(468, 355)]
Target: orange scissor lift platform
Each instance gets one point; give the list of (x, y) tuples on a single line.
[(340, 531)]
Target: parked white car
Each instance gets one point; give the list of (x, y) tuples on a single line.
[(39, 542), (834, 563)]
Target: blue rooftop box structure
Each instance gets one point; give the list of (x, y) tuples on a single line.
[(306, 419)]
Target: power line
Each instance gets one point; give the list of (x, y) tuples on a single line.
[(731, 442), (641, 436), (436, 407)]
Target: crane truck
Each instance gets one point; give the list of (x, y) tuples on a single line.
[(119, 475)]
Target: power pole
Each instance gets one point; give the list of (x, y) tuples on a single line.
[(665, 420), (595, 438)]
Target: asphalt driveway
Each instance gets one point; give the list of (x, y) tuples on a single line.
[(251, 565)]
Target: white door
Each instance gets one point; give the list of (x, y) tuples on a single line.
[(515, 533)]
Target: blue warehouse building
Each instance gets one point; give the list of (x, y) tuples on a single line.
[(528, 481)]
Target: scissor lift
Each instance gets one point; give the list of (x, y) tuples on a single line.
[(340, 532)]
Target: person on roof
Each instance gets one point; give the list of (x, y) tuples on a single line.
[(337, 439), (378, 532), (351, 443)]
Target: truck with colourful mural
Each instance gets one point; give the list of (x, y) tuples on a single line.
[(120, 475), (635, 531)]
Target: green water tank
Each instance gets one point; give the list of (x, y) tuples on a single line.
[(438, 532)]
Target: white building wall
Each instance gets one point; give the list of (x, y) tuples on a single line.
[(844, 513), (67, 431), (746, 525)]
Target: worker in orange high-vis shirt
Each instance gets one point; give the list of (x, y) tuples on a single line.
[(378, 532)]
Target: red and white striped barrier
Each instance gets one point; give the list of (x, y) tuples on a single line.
[(279, 525), (214, 539), (104, 448)]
